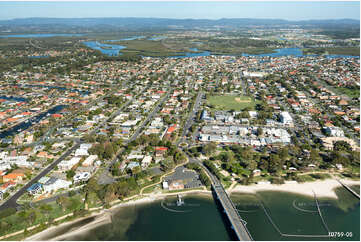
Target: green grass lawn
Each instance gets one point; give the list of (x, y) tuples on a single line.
[(351, 92), (229, 102)]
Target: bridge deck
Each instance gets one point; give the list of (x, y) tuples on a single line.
[(231, 211)]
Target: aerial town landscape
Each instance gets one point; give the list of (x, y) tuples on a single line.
[(144, 128)]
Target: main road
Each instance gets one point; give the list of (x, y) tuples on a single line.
[(11, 202), (191, 117)]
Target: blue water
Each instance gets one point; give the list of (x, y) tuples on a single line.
[(295, 52), (35, 120), (38, 56), (59, 88), (115, 50), (112, 51), (190, 54), (11, 98), (37, 35), (134, 38)]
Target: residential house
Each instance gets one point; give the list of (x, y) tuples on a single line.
[(36, 188), (54, 184), (13, 177), (146, 161), (81, 177)]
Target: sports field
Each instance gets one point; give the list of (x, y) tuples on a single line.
[(228, 102)]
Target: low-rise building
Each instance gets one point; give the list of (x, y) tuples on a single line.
[(286, 118), (36, 188), (81, 177), (54, 184), (68, 164)]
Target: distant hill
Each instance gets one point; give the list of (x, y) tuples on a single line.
[(108, 24)]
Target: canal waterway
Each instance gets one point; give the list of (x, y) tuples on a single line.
[(27, 124), (200, 218), (12, 98), (107, 49), (81, 92)]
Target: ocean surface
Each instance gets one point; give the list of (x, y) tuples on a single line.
[(293, 216)]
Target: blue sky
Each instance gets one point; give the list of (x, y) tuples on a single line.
[(198, 10)]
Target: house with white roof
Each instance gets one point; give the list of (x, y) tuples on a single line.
[(81, 176), (146, 161), (68, 164), (54, 184), (286, 118), (89, 160)]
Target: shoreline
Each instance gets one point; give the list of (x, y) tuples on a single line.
[(323, 188), (103, 216)]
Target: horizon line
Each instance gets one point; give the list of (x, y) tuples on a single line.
[(289, 20)]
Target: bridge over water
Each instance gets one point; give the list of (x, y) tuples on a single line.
[(238, 224)]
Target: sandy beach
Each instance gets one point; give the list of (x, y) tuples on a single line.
[(101, 217), (323, 188)]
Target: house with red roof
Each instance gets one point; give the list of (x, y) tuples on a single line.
[(57, 115), (171, 129)]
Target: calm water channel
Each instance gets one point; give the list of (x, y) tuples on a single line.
[(27, 124), (114, 50), (201, 219)]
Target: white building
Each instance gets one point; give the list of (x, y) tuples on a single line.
[(253, 114), (68, 164), (254, 74), (81, 152), (135, 156), (82, 176), (286, 118), (129, 123), (20, 161), (146, 161), (89, 160), (54, 184), (5, 166), (334, 131)]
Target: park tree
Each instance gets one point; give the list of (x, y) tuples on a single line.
[(283, 153), (342, 146), (179, 157), (274, 164), (209, 148), (70, 174), (108, 151), (315, 157)]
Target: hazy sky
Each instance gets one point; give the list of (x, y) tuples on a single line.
[(168, 9)]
